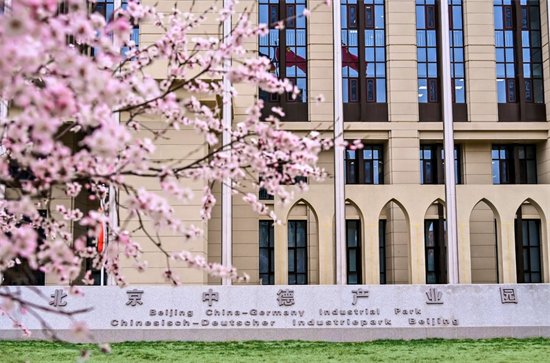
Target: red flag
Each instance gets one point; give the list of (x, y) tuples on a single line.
[(350, 60), (100, 239), (293, 59)]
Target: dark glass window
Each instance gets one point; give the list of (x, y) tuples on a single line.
[(267, 253), (353, 248), (514, 164), (518, 51), (456, 38), (287, 51), (264, 195), (427, 51), (382, 250), (285, 179), (505, 51), (363, 51), (436, 258), (528, 252), (21, 274), (365, 166), (531, 51), (107, 8), (297, 252), (135, 31), (432, 164)]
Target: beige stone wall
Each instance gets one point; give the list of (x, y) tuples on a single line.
[(479, 40), (483, 245), (397, 245), (402, 82)]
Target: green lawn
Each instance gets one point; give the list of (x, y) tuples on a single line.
[(431, 350)]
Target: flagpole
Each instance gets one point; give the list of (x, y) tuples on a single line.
[(339, 188), (113, 218), (227, 200), (449, 147)]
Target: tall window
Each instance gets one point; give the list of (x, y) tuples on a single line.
[(365, 166), (364, 60), (519, 60), (353, 248), (135, 30), (531, 51), (432, 164), (456, 39), (528, 260), (427, 60), (107, 8), (297, 252), (287, 51), (436, 258), (514, 164), (505, 54), (22, 274), (382, 249), (267, 253)]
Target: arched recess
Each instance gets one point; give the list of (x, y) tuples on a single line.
[(394, 244), (530, 230), (355, 264), (302, 216), (484, 247), (435, 249)]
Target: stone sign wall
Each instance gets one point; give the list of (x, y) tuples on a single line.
[(337, 313)]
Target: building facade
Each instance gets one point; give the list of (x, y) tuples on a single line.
[(394, 193)]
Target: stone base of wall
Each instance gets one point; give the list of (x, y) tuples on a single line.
[(326, 313)]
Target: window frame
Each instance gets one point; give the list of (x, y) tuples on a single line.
[(437, 159), (367, 106), (21, 274), (358, 253), (270, 248), (439, 248), (528, 100), (295, 110), (359, 162), (455, 29), (429, 110), (525, 250), (517, 169), (382, 223), (295, 249)]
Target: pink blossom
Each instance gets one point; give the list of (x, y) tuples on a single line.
[(104, 105)]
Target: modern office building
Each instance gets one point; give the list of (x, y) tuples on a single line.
[(392, 98)]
